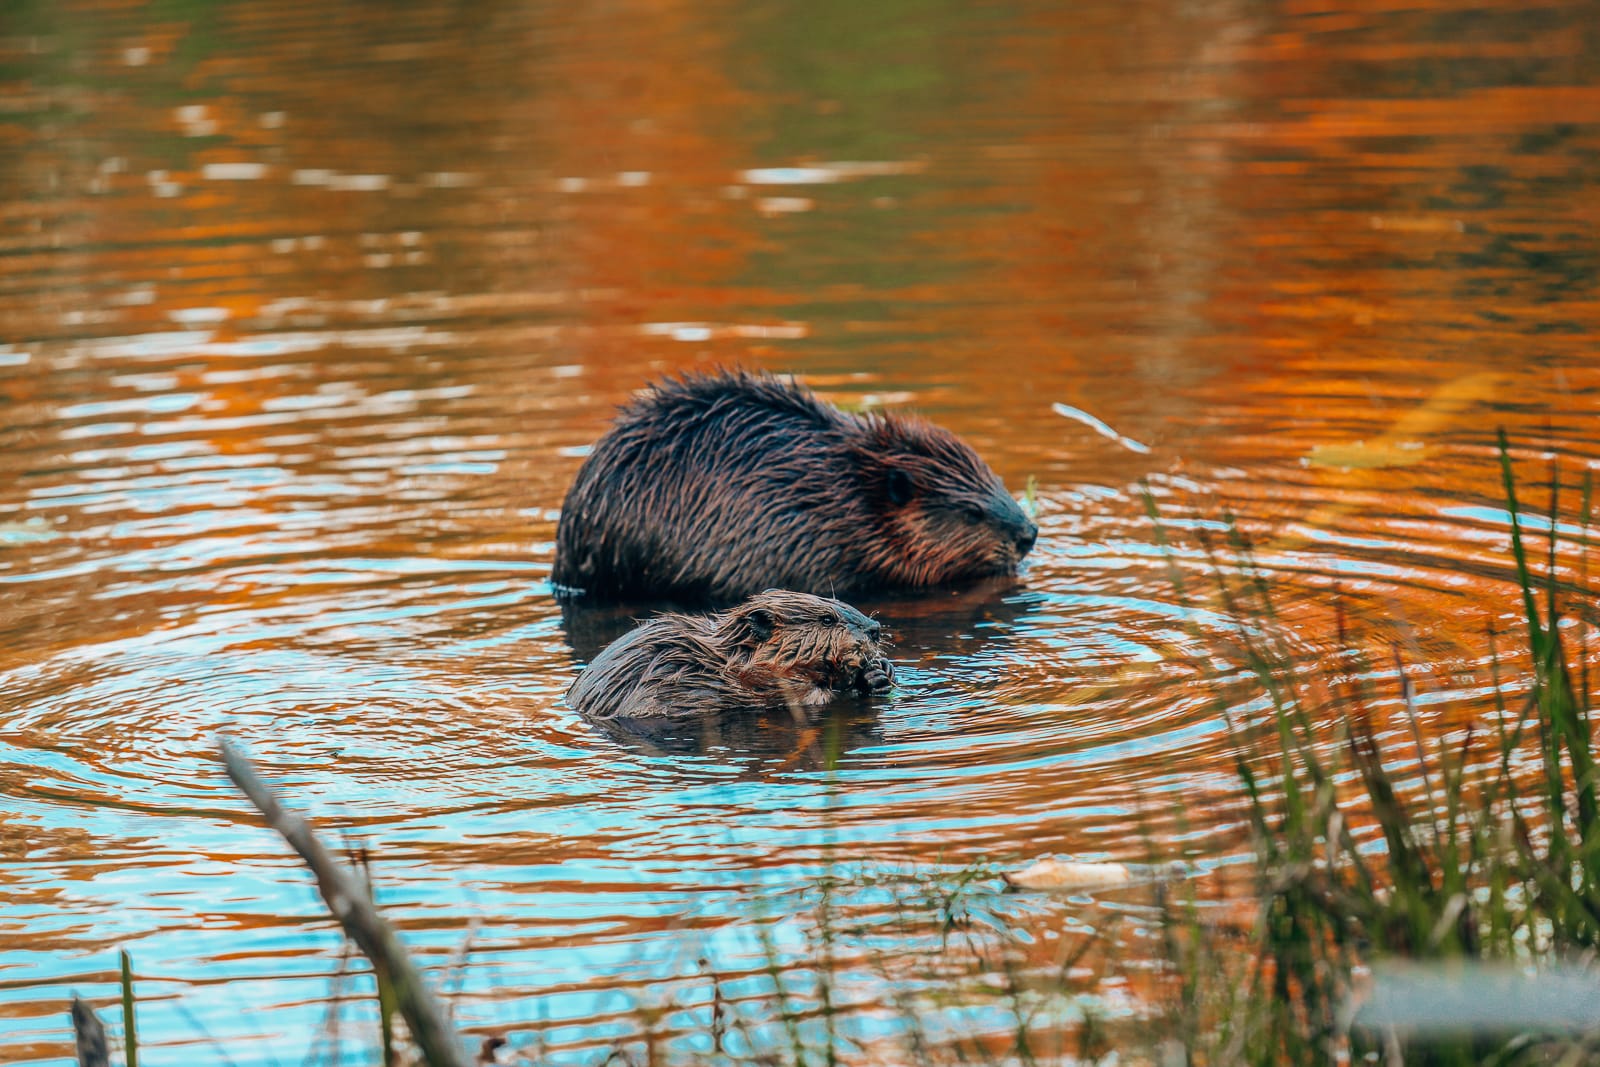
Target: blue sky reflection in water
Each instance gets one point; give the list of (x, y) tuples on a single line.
[(308, 321)]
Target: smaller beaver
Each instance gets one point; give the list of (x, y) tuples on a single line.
[(776, 649)]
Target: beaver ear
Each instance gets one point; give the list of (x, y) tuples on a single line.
[(761, 622), (899, 486)]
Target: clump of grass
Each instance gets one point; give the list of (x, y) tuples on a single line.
[(1457, 855)]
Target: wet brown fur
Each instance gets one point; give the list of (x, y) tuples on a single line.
[(776, 649), (712, 487)]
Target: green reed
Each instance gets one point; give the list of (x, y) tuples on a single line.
[(130, 1033), (1477, 862)]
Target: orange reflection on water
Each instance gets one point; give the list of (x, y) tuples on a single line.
[(310, 313)]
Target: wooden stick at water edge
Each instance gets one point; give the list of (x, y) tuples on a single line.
[(430, 1027)]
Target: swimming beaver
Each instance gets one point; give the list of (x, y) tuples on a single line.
[(776, 649), (712, 487)]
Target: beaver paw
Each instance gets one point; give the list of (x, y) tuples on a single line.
[(876, 677)]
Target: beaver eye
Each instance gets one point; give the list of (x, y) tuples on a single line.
[(973, 513), (761, 622), (899, 487)]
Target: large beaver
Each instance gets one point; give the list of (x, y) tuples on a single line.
[(712, 487), (776, 649)]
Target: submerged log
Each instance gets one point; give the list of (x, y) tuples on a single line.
[(342, 892)]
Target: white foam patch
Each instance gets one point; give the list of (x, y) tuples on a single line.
[(233, 172)]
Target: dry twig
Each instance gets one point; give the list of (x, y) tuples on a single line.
[(424, 1015)]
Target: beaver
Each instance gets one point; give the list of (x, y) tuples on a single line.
[(776, 649), (712, 487)]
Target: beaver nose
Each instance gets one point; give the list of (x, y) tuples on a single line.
[(874, 630), (1026, 536)]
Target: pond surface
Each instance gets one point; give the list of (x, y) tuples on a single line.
[(308, 313)]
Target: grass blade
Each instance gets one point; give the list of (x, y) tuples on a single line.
[(130, 1034)]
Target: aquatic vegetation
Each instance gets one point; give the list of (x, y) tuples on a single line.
[(1467, 850)]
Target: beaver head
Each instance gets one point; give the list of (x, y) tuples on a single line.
[(804, 645), (947, 517)]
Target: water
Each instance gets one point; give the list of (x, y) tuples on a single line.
[(309, 313)]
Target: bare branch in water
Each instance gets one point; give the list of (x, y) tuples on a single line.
[(424, 1015)]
